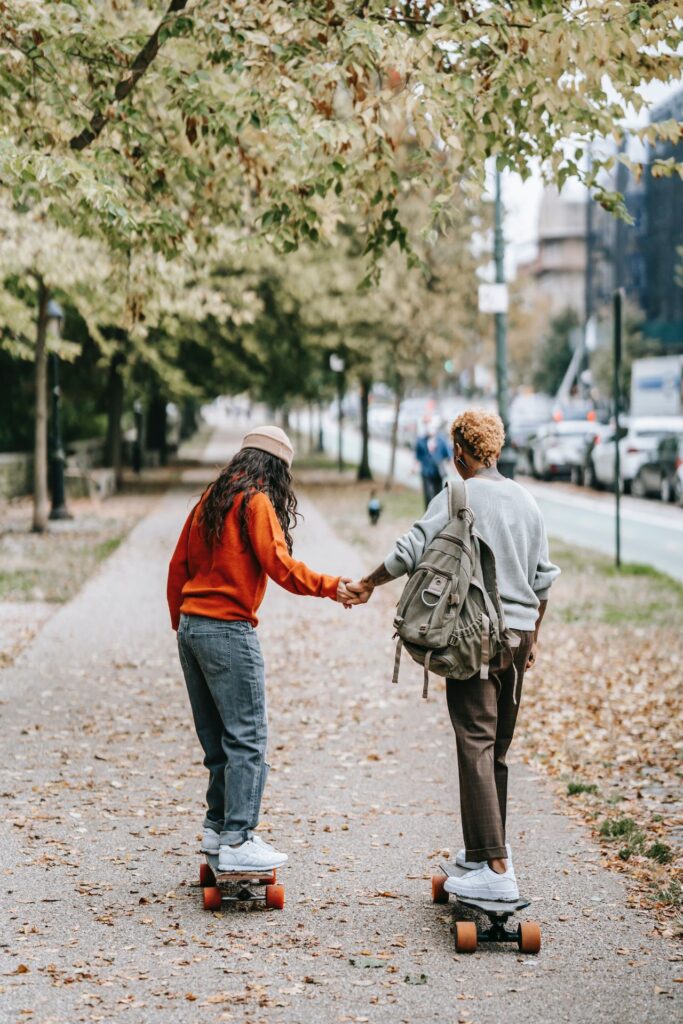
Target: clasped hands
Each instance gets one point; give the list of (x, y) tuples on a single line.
[(350, 593)]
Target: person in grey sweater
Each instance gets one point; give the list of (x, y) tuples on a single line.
[(484, 712)]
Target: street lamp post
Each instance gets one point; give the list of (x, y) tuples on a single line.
[(507, 460), (55, 321), (616, 388)]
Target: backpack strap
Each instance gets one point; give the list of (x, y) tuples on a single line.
[(397, 659), (485, 646), (457, 496), (425, 685)]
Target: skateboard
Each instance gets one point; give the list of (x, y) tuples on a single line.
[(467, 934), (219, 887)]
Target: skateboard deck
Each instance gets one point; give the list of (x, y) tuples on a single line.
[(468, 934), (235, 887)]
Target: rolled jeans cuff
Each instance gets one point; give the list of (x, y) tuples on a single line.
[(233, 838), (487, 853)]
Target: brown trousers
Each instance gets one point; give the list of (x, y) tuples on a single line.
[(483, 714)]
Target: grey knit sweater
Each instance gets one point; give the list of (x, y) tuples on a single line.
[(509, 520)]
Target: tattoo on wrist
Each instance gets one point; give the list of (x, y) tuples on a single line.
[(377, 577)]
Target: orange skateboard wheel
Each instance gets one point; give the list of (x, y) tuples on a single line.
[(529, 937), (439, 894), (206, 875), (275, 897), (212, 898), (465, 936)]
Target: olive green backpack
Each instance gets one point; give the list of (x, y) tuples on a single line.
[(449, 617)]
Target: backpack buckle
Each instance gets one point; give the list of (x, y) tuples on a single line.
[(435, 589)]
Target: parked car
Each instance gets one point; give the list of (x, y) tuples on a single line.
[(677, 481), (527, 414), (556, 447), (661, 474), (639, 440), (581, 470)]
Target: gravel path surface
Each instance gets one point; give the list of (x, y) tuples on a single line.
[(102, 787)]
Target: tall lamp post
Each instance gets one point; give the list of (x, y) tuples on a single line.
[(55, 322), (507, 460), (493, 298)]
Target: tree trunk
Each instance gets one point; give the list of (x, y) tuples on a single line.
[(398, 397), (320, 447), (114, 443), (156, 427), (364, 471), (188, 419), (40, 503), (311, 428)]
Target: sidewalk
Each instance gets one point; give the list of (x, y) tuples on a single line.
[(102, 789)]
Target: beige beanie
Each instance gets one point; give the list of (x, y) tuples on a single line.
[(270, 439)]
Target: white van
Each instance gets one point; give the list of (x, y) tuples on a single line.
[(657, 386)]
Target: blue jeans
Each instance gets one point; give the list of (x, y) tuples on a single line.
[(224, 673)]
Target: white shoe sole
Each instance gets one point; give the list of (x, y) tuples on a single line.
[(496, 897), (249, 869)]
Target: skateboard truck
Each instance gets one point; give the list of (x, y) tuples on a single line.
[(468, 934), (219, 887)]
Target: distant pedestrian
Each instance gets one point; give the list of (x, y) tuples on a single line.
[(431, 451), (237, 535)]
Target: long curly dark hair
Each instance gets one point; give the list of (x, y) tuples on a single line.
[(250, 470)]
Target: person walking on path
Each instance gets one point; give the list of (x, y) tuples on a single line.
[(431, 451), (237, 535), (483, 712)]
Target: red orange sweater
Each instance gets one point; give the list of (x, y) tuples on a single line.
[(229, 580)]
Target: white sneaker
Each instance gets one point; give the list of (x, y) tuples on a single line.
[(484, 884), (256, 838), (476, 865), (250, 856), (210, 841)]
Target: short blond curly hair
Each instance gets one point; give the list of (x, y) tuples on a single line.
[(480, 433)]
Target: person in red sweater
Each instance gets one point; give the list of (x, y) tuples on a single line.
[(238, 534)]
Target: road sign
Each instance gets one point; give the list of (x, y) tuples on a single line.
[(493, 298)]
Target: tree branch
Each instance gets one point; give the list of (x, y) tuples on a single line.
[(143, 60)]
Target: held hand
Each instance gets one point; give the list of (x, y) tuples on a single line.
[(361, 591), (531, 658), (344, 595)]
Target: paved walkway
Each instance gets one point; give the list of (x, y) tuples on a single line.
[(101, 790)]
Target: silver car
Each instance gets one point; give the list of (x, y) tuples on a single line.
[(557, 446)]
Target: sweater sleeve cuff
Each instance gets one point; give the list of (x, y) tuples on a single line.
[(330, 586), (544, 594), (394, 565)]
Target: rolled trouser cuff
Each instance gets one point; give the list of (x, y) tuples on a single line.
[(487, 853), (233, 838)]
